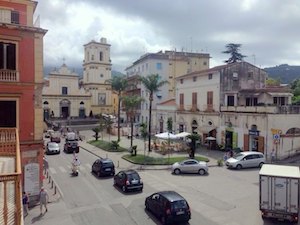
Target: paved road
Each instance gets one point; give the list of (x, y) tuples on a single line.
[(224, 197)]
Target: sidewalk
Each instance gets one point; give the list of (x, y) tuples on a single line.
[(55, 205)]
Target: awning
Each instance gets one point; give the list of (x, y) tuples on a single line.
[(206, 129)]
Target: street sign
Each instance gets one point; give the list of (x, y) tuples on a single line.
[(276, 136)]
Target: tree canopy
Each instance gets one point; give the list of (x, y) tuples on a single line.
[(235, 55)]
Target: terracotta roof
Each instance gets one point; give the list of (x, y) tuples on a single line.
[(168, 102)]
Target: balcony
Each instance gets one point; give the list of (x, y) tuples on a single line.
[(9, 75), (10, 177), (273, 109)]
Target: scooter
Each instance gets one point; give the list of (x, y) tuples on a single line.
[(75, 170)]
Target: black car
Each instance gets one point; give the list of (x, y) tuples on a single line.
[(169, 206), (103, 167), (128, 180), (71, 146)]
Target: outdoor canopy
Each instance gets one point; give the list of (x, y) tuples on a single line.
[(166, 135), (182, 134)]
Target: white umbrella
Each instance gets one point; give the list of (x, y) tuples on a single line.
[(166, 135), (210, 138), (182, 134)]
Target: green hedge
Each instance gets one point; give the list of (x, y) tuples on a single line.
[(106, 146)]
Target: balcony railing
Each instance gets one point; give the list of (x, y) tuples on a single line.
[(10, 177), (288, 109), (9, 75), (196, 108)]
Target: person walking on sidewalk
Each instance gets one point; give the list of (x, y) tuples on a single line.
[(273, 156), (44, 198), (25, 201)]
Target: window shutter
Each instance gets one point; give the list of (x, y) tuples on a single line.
[(261, 143), (11, 56)]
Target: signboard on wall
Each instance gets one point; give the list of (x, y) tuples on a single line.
[(32, 178)]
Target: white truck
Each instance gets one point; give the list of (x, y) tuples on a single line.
[(279, 192)]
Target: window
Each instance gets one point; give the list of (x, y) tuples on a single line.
[(101, 56), (230, 100), (250, 75), (64, 90), (209, 98), (7, 56), (181, 100), (181, 81), (210, 76), (101, 75), (194, 79), (194, 100), (251, 101), (8, 114), (158, 66), (92, 57), (15, 17), (204, 63)]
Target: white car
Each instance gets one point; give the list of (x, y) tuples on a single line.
[(190, 166), (246, 160), (52, 148)]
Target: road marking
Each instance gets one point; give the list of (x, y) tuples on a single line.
[(52, 170), (62, 169)]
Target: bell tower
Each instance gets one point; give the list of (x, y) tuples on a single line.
[(96, 71)]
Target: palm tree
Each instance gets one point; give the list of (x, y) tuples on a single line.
[(194, 137), (152, 84), (131, 104), (118, 84), (108, 125)]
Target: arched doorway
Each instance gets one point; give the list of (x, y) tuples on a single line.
[(64, 106), (81, 110), (194, 126)]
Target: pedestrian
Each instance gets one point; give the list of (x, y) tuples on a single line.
[(44, 198), (225, 156), (25, 201), (273, 156)]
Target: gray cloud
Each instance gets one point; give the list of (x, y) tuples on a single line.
[(267, 29)]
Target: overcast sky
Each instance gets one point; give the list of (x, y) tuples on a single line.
[(269, 30)]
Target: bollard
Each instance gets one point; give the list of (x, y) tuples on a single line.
[(47, 174), (52, 184), (54, 190), (49, 180)]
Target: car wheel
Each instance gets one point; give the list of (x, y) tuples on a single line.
[(124, 188), (177, 171), (260, 165), (239, 166), (201, 172)]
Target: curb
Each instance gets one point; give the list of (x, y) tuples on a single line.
[(54, 185)]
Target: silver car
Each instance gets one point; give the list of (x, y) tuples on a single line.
[(246, 160), (190, 166), (52, 148)]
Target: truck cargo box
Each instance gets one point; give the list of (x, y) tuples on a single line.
[(279, 191)]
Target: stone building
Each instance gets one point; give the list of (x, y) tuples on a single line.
[(63, 97)]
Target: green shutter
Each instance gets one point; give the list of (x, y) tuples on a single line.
[(234, 140)]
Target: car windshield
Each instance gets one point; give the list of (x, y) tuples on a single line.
[(108, 164), (52, 145), (179, 204), (238, 156), (133, 176)]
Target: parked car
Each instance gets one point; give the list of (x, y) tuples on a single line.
[(128, 180), (52, 148), (71, 146), (168, 206), (245, 160), (48, 133), (190, 166), (103, 167), (55, 137)]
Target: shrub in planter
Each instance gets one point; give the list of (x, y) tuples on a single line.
[(220, 162)]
